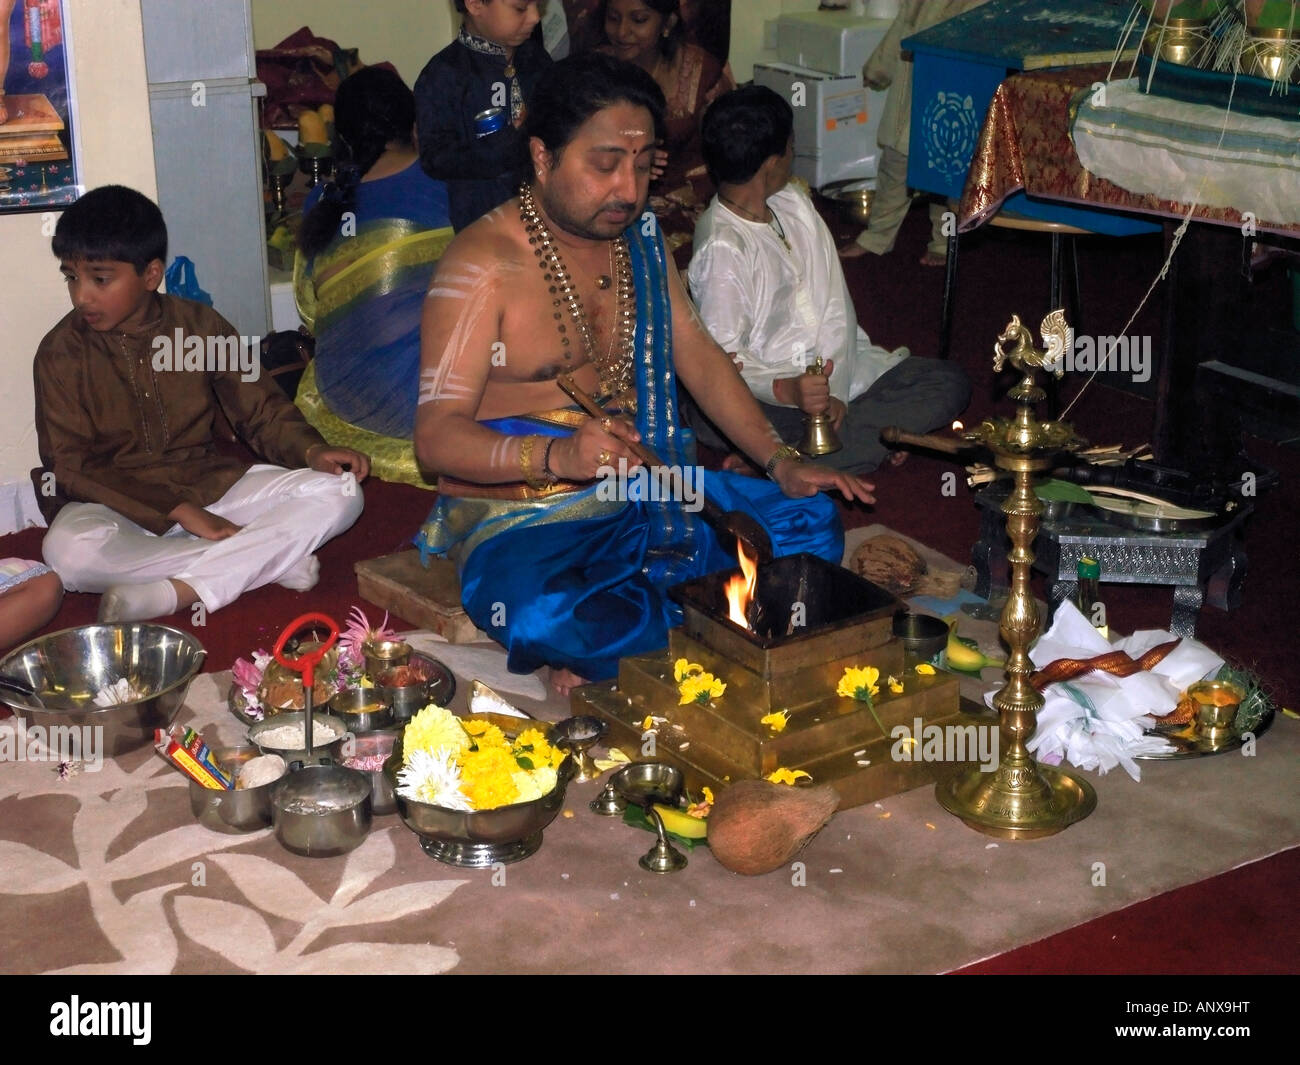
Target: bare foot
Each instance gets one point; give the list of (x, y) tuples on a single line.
[(852, 250), (932, 259), (565, 680)]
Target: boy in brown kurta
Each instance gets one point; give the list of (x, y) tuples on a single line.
[(142, 505)]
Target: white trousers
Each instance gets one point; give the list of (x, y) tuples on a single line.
[(285, 515)]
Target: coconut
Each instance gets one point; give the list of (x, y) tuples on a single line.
[(756, 826)]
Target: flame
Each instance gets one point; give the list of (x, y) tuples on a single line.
[(957, 426), (740, 590)]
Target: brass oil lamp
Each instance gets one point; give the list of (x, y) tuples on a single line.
[(1022, 799)]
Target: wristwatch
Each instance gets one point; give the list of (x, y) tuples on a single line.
[(785, 451)]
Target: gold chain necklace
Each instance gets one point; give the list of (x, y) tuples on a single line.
[(614, 369), (773, 223)]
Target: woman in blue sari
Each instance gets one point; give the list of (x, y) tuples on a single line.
[(369, 243)]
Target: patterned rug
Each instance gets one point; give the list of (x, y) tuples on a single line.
[(108, 872)]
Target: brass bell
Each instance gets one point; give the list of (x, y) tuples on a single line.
[(819, 436)]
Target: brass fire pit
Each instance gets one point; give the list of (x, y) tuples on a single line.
[(809, 621)]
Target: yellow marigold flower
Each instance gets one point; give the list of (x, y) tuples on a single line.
[(486, 735), (700, 688), (708, 795), (862, 684), (787, 776), (925, 669), (776, 721), (683, 669), (532, 745), (895, 685), (648, 723), (487, 778)]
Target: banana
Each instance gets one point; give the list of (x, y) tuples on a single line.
[(276, 149), (964, 654), (311, 129), (680, 824)]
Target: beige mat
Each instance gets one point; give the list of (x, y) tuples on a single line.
[(107, 872)]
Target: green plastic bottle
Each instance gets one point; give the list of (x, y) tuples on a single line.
[(1088, 599)]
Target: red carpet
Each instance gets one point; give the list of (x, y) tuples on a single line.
[(1234, 923)]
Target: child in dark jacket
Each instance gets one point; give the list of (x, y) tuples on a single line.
[(493, 63)]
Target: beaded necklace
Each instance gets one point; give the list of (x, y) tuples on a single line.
[(614, 367)]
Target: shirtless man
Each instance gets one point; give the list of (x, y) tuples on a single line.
[(501, 323)]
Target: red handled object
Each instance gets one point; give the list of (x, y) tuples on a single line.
[(306, 663)]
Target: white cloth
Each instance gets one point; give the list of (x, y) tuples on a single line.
[(1099, 720), (778, 308), (1191, 153), (285, 515)]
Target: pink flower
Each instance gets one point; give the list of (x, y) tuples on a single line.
[(247, 676)]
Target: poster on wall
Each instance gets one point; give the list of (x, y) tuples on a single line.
[(38, 167)]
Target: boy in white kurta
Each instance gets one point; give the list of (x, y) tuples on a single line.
[(769, 286)]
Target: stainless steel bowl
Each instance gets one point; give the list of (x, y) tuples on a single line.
[(480, 839), (66, 669), (410, 699), (321, 810), (320, 751), (364, 709), (372, 745), (240, 810)]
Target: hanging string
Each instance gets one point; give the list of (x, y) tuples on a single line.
[(1163, 273)]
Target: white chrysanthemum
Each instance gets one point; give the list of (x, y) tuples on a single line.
[(432, 777)]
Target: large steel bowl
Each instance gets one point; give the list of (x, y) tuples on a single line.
[(66, 669), (480, 839)]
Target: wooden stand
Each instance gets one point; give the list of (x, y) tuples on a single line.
[(426, 596)]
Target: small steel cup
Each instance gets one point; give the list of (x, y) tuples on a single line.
[(238, 810), (382, 799), (364, 709)]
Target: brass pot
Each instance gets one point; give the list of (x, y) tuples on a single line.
[(1269, 54), (1178, 41)]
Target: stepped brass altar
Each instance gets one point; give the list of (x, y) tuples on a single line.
[(808, 621)]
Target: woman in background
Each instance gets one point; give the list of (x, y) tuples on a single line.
[(367, 249), (651, 34)]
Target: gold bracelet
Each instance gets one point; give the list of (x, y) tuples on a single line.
[(526, 462), (785, 451)]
